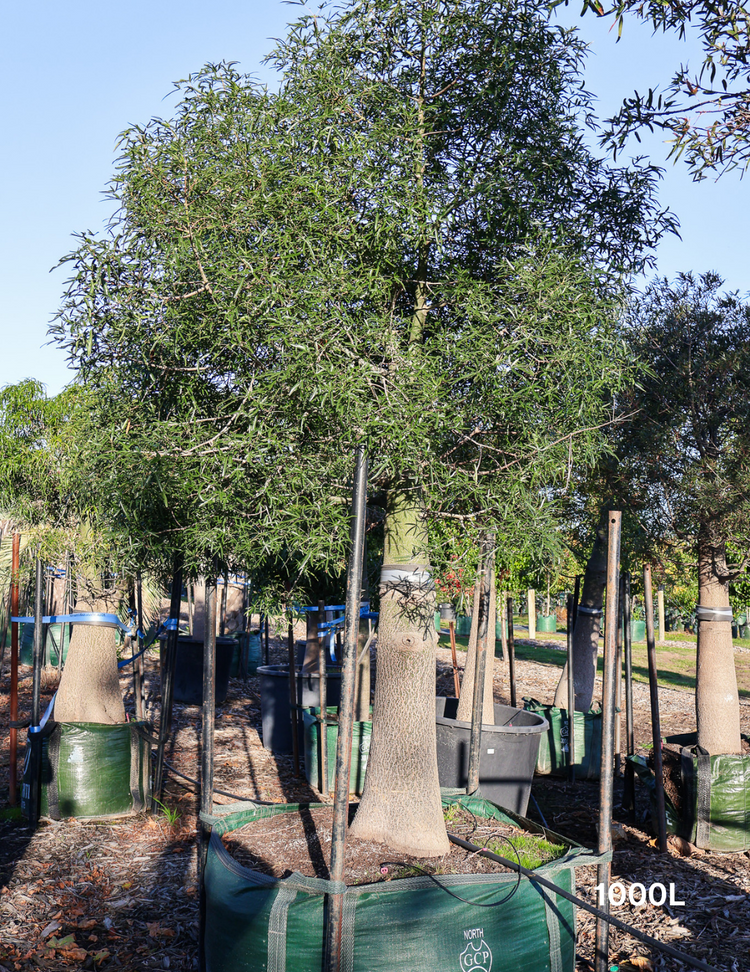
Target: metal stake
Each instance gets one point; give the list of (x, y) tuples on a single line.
[(15, 558), (167, 689), (293, 696), (477, 712), (207, 744), (456, 681), (618, 684), (346, 713), (628, 792), (138, 663), (608, 718), (571, 692), (511, 653), (36, 685), (653, 685), (323, 701)]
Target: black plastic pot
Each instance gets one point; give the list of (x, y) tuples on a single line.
[(188, 674), (274, 702), (508, 758)]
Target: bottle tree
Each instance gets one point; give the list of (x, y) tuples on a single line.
[(406, 245), (683, 463), (37, 453)]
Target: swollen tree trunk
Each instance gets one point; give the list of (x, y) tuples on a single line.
[(717, 705), (463, 711), (401, 801), (588, 626), (90, 686)]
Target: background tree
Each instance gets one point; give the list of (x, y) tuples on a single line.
[(685, 459), (407, 245), (706, 110), (36, 457)]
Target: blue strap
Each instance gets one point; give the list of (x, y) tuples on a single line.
[(46, 716), (171, 624), (105, 620)]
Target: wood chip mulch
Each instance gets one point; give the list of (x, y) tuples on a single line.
[(124, 895)]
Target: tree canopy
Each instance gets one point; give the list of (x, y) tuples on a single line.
[(407, 244), (707, 110)]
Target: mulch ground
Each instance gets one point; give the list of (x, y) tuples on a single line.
[(124, 895)]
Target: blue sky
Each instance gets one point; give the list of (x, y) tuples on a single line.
[(77, 74)]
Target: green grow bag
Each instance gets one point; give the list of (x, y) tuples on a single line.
[(553, 748), (249, 642), (361, 736), (93, 770), (546, 622), (637, 630), (463, 625), (257, 923), (715, 812), (52, 655)]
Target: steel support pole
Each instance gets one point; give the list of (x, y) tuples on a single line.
[(15, 566), (138, 663), (36, 683), (477, 709), (511, 654), (601, 963), (628, 792), (293, 696), (207, 745), (653, 685), (346, 713), (618, 683), (571, 692), (660, 604), (323, 698), (456, 681), (167, 688)]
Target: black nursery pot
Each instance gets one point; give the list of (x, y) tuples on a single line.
[(507, 759), (188, 674), (274, 702)]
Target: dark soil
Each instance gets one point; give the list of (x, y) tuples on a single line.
[(301, 842), (671, 764)]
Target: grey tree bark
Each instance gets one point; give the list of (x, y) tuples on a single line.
[(463, 711), (588, 627)]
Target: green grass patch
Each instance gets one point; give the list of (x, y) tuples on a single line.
[(11, 813), (675, 663), (530, 850)]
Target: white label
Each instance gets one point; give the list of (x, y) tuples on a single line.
[(476, 957), (637, 894)]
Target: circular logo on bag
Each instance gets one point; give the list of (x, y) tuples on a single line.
[(476, 957)]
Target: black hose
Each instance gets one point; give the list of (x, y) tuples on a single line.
[(537, 879), (474, 904)]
